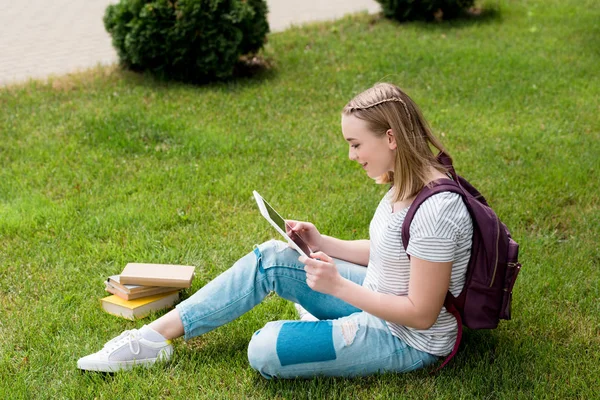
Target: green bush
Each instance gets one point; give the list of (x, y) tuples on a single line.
[(187, 40), (410, 10)]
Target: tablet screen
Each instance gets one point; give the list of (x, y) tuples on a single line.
[(280, 222), (275, 216)]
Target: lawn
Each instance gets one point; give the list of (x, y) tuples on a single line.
[(107, 167)]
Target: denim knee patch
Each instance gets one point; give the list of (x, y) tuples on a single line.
[(305, 342), (271, 252), (258, 255)]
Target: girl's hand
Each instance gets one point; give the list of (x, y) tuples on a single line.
[(307, 232), (321, 273)]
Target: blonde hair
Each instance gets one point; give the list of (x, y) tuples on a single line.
[(384, 107)]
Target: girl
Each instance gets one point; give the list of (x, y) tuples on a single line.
[(386, 317)]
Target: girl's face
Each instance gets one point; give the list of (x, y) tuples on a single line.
[(375, 154)]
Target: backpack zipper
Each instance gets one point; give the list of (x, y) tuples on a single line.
[(497, 245)]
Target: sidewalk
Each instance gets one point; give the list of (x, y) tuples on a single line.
[(39, 38)]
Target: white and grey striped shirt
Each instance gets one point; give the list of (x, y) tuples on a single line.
[(441, 231)]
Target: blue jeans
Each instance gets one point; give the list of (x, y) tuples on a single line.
[(345, 342)]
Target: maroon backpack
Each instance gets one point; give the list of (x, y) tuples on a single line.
[(493, 266)]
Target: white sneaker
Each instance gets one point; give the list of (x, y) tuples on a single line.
[(125, 351), (303, 314)]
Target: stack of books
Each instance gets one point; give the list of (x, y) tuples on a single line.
[(143, 288)]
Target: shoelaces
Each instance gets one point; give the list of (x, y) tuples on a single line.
[(131, 337)]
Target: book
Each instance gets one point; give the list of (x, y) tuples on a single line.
[(139, 291), (177, 276), (134, 309), (115, 280)]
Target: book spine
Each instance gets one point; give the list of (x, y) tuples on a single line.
[(116, 284), (117, 292), (136, 280)]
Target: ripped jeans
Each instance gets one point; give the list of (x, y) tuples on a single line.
[(345, 342)]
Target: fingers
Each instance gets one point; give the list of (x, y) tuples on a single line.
[(311, 275), (321, 272), (311, 266), (289, 226), (310, 282), (293, 227), (298, 226), (316, 264), (291, 223), (315, 258), (319, 255)]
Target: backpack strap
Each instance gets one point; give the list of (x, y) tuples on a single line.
[(449, 304), (442, 185)]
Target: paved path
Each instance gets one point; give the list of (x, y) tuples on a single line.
[(39, 38)]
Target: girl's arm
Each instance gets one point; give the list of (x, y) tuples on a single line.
[(354, 251), (429, 282)]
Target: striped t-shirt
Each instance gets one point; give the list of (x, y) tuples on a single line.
[(441, 231)]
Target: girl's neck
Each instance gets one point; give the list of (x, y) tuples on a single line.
[(434, 175), (402, 204)]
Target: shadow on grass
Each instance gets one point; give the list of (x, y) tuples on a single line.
[(477, 348), (214, 348), (475, 16), (248, 72), (96, 375)]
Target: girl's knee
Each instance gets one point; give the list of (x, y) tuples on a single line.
[(275, 253), (284, 348), (273, 246), (262, 353)]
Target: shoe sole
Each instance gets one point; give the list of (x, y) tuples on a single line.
[(116, 366)]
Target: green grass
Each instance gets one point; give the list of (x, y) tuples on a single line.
[(109, 167)]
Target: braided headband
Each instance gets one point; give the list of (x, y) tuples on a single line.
[(396, 99)]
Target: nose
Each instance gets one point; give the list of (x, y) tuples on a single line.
[(351, 154)]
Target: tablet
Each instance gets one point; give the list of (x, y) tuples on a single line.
[(279, 224)]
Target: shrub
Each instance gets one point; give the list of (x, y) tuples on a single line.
[(188, 40), (409, 10)]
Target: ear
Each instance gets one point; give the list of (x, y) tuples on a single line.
[(391, 139)]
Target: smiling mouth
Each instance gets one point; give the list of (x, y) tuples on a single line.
[(364, 165)]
